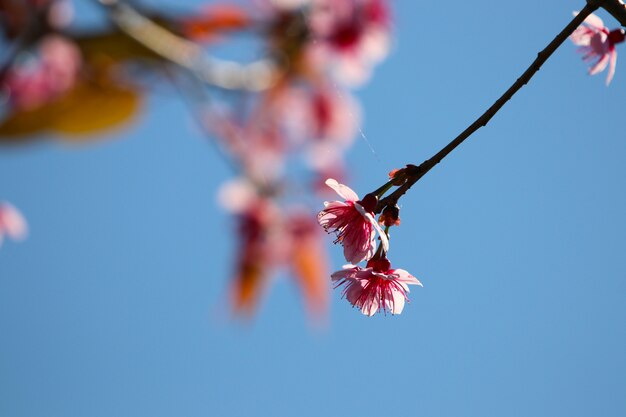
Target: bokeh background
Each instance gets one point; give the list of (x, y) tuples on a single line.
[(117, 305)]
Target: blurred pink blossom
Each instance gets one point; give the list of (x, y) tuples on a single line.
[(270, 238), (12, 223), (376, 287), (323, 119), (353, 222), (238, 195), (256, 257), (596, 41), (345, 38), (322, 113), (256, 142), (39, 79), (350, 36)]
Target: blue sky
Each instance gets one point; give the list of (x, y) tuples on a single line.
[(115, 304)]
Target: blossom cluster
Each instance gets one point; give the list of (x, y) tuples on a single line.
[(377, 287)]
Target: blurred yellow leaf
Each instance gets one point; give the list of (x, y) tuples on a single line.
[(92, 107), (88, 108)]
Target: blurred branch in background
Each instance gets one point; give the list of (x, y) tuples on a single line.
[(292, 104), (229, 75)]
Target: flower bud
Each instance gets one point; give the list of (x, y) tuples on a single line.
[(390, 216)]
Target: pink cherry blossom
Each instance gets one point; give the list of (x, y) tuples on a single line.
[(322, 120), (351, 36), (256, 142), (596, 41), (323, 114), (376, 287), (258, 255), (271, 237), (39, 79), (12, 222), (353, 222)]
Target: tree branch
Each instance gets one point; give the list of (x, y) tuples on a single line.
[(229, 75), (617, 9), (414, 173)]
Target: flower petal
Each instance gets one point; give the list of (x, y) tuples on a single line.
[(237, 195), (12, 222), (359, 247), (612, 63), (397, 301), (406, 277), (348, 272), (372, 220), (332, 210), (354, 290), (370, 306), (594, 21), (591, 20), (600, 65), (582, 36), (343, 190)]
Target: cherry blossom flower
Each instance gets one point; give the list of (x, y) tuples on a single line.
[(44, 77), (262, 245), (322, 119), (344, 38), (256, 258), (272, 237), (376, 287), (596, 41), (257, 143), (353, 222), (323, 114), (351, 36), (12, 222)]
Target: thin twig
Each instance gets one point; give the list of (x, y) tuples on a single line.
[(196, 97), (414, 173), (255, 76)]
